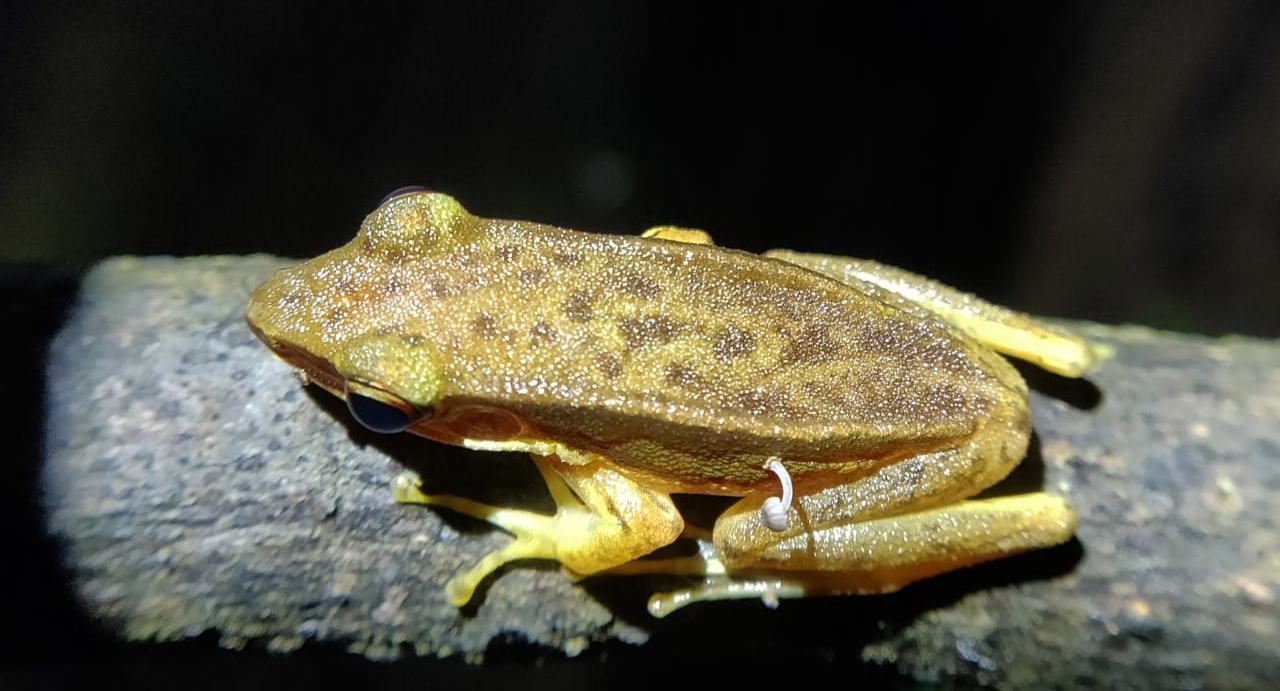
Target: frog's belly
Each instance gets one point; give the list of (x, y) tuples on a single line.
[(707, 460), (731, 470)]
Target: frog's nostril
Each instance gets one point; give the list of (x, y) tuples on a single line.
[(403, 190)]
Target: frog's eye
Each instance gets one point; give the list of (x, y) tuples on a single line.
[(402, 191), (380, 410)]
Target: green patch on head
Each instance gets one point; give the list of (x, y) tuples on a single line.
[(392, 363)]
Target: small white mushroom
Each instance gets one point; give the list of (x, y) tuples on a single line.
[(773, 513)]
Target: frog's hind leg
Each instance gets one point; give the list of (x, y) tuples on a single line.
[(999, 328), (602, 519), (872, 557)]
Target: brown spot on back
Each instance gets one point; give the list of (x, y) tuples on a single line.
[(532, 277), (577, 307), (394, 285), (437, 287), (609, 365), (651, 330), (542, 332), (813, 345), (485, 326), (637, 285), (940, 353), (507, 253), (880, 340), (732, 343), (567, 258), (681, 375), (334, 318)]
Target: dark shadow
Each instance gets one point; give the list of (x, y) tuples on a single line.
[(47, 627), (501, 478), (1026, 477), (813, 630), (1081, 393)]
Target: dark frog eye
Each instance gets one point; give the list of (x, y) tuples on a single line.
[(402, 191), (380, 410)]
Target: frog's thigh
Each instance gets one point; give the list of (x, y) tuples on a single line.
[(610, 519), (602, 519), (999, 328), (907, 486)]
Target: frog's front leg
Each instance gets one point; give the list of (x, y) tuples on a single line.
[(692, 236), (602, 519)]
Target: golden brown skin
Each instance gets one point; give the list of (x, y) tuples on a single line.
[(637, 367)]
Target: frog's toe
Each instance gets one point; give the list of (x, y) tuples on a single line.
[(461, 588), (534, 533), (406, 488), (769, 591)]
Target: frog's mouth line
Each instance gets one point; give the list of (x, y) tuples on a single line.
[(316, 370)]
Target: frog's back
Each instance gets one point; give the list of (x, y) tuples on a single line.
[(699, 336)]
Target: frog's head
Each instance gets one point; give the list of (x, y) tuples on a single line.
[(350, 319), (390, 382)]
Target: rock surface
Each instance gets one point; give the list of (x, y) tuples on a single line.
[(196, 487)]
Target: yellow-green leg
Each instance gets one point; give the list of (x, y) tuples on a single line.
[(871, 556), (602, 519), (999, 328)]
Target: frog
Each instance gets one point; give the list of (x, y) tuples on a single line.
[(848, 411)]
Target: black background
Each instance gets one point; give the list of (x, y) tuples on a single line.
[(1116, 162)]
